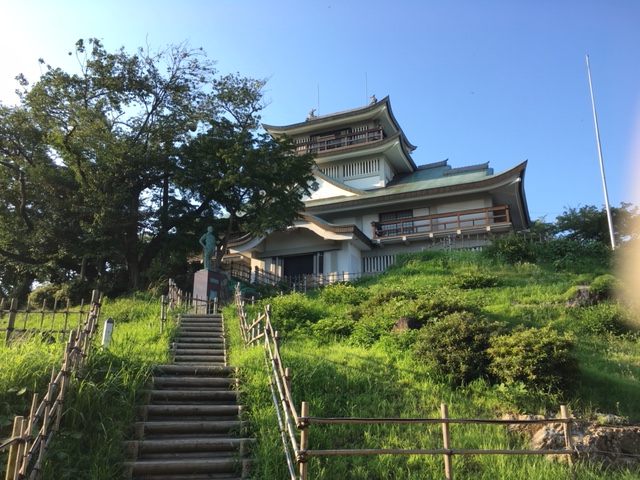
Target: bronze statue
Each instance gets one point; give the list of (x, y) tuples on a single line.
[(208, 242)]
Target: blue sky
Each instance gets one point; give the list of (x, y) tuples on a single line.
[(472, 81)]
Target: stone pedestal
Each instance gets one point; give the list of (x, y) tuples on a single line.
[(207, 285)]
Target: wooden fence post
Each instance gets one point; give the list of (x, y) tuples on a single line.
[(304, 440), (163, 311), (15, 450), (13, 309), (568, 440), (448, 475)]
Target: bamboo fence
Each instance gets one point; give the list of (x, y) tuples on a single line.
[(55, 322), (32, 435), (296, 446)]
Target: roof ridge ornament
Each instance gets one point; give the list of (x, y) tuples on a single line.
[(373, 99), (311, 114)]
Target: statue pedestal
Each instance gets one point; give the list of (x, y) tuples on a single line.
[(207, 285)]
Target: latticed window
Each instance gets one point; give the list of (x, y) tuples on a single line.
[(396, 228)]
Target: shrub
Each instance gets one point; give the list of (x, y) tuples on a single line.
[(540, 358), (75, 290), (343, 293), (510, 249), (456, 346), (474, 279), (368, 331), (574, 256), (293, 311), (604, 286), (441, 303), (333, 327), (386, 300), (603, 317)]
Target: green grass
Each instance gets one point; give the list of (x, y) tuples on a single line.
[(346, 362), (102, 400)]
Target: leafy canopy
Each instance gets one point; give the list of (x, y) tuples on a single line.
[(100, 181)]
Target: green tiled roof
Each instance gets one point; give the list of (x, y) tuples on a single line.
[(433, 176)]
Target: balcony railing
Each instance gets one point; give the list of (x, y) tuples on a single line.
[(321, 144), (443, 222)]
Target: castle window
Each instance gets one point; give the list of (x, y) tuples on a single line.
[(388, 226)]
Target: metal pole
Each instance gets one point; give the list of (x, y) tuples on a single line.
[(604, 181)]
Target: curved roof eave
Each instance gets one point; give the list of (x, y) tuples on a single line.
[(384, 195), (367, 112), (318, 173), (316, 225)]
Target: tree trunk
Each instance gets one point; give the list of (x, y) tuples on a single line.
[(224, 241)]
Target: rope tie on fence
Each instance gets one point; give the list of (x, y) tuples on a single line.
[(302, 456), (11, 441)]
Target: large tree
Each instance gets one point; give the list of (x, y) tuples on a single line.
[(92, 164), (590, 224), (256, 180)]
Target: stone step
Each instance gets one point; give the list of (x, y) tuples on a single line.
[(194, 357), (191, 396), (189, 445), (196, 370), (197, 335), (188, 411), (192, 428), (198, 346), (184, 427), (191, 476), (168, 382), (200, 326), (183, 467), (196, 349)]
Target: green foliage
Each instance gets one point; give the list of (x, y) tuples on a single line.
[(378, 372), (106, 174), (608, 317), (292, 312), (475, 279), (343, 293), (589, 224), (456, 346), (74, 290), (331, 328), (511, 248), (605, 286), (569, 254), (540, 358), (26, 370), (102, 403)]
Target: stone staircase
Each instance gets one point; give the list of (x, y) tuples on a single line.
[(191, 427)]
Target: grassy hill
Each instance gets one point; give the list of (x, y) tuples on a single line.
[(347, 361), (518, 339)]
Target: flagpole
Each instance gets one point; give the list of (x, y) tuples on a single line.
[(604, 181)]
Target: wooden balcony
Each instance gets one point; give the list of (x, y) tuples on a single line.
[(463, 221), (329, 142)]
